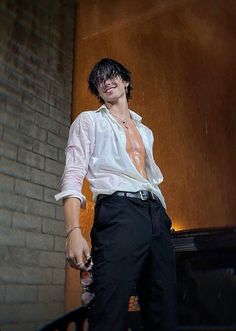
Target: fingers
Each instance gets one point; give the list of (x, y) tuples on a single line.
[(78, 254), (86, 252), (87, 255), (77, 262), (80, 266), (76, 265)]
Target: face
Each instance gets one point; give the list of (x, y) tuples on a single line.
[(112, 89)]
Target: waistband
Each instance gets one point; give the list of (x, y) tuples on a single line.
[(142, 195)]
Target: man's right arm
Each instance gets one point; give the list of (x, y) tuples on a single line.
[(78, 151)]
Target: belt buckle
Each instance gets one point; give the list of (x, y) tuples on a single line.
[(153, 196), (141, 195)]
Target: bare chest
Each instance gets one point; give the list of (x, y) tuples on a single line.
[(134, 142)]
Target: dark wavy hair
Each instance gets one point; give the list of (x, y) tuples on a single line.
[(108, 69)]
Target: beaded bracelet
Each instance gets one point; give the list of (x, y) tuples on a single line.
[(69, 232)]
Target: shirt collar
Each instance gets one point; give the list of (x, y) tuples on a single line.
[(137, 118)]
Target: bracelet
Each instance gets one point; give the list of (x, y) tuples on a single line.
[(69, 232)]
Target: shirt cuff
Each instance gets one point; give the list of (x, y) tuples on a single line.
[(72, 194)]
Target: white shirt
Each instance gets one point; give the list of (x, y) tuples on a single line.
[(97, 149)]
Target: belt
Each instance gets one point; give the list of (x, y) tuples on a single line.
[(142, 195)]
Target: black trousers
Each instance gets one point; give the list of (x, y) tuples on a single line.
[(131, 247)]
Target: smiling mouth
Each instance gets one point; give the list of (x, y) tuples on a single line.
[(109, 88)]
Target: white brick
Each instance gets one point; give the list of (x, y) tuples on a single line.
[(47, 123), (34, 86), (42, 178), (56, 141), (39, 241), (59, 276), (63, 94), (18, 327), (5, 217), (9, 74), (19, 256), (3, 102), (52, 259), (31, 84), (6, 183), (60, 244), (59, 103), (12, 201), (45, 149), (58, 183), (28, 189), (16, 138), (21, 293), (2, 293), (59, 116), (64, 131), (49, 195), (61, 156), (21, 111), (30, 158), (11, 91), (25, 275), (8, 150), (30, 312), (53, 227), (60, 213), (14, 168), (9, 120), (40, 208), (1, 130), (33, 130), (26, 222), (4, 255), (35, 103), (51, 293), (9, 236), (54, 167)]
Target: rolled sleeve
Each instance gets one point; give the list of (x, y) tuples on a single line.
[(78, 151), (72, 194)]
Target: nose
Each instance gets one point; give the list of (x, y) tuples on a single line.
[(107, 83)]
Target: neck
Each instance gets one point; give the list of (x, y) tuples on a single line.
[(120, 108)]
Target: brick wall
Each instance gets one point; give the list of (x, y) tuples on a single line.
[(36, 55)]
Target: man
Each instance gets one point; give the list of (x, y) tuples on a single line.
[(131, 245)]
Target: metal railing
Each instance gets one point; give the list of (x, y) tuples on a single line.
[(78, 318)]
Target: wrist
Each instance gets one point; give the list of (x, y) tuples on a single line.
[(72, 229)]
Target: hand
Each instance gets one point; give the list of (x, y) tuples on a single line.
[(77, 250)]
